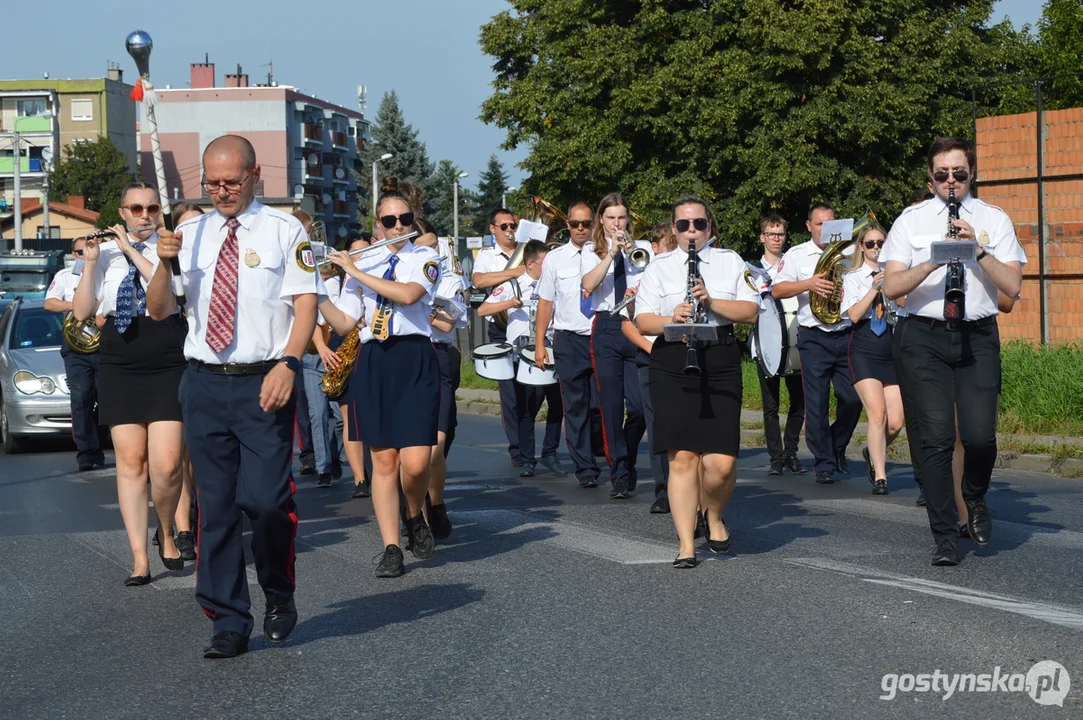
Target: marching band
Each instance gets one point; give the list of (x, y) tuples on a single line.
[(647, 328)]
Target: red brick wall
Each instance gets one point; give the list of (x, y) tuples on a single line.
[(1007, 149)]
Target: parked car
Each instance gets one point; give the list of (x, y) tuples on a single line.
[(34, 400)]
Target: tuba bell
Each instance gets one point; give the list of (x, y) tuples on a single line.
[(834, 262), (544, 212), (82, 337)]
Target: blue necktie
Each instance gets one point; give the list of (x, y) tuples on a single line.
[(131, 298), (389, 274), (584, 296), (878, 322)]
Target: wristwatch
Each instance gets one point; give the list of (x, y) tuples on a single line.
[(291, 362), (981, 253)]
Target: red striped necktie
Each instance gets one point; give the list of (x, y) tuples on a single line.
[(223, 311)]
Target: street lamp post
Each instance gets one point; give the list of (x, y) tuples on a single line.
[(455, 202), (504, 196), (375, 192), (17, 141)]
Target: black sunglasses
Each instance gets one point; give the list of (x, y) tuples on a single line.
[(77, 252), (388, 221), (505, 226), (580, 224), (959, 175), (152, 209), (870, 244), (699, 223)]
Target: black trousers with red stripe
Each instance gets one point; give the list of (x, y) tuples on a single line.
[(242, 457), (616, 374)]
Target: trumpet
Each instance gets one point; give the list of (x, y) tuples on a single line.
[(324, 261), (637, 256)]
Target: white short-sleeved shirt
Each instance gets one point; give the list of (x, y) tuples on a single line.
[(112, 268), (920, 225), (416, 264), (330, 289), (602, 299), (665, 283), (490, 259), (63, 286), (275, 263), (855, 285), (452, 289), (519, 318), (561, 284), (799, 263)]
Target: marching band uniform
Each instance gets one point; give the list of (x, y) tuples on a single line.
[(824, 361), (615, 359), (320, 411), (562, 275), (781, 446), (494, 259), (700, 413), (658, 457), (451, 290), (241, 454), (81, 370), (395, 385), (953, 371), (528, 398), (142, 360), (871, 340)]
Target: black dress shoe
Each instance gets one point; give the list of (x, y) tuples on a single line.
[(391, 564), (685, 563), (280, 620), (946, 554), (226, 644), (920, 502), (361, 490), (420, 538), (824, 478), (879, 487), (792, 464), (776, 468), (868, 464), (137, 580), (980, 522), (660, 506), (186, 543), (439, 523), (841, 465)]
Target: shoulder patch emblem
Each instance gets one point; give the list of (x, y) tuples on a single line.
[(498, 292), (305, 259), (781, 262), (432, 270)]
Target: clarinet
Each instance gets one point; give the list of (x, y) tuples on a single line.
[(954, 294), (691, 358)]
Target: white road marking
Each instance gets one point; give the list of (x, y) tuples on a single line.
[(1063, 616)]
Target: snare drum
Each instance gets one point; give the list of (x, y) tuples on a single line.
[(531, 374), (776, 338), (494, 361)]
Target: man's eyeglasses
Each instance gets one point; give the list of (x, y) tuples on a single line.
[(504, 227), (870, 244), (580, 224), (152, 209), (698, 223), (960, 176), (230, 186), (775, 235), (388, 221)]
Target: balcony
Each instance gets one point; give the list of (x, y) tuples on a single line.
[(340, 175), (30, 124), (313, 166), (313, 133), (342, 208), (340, 141), (28, 165)]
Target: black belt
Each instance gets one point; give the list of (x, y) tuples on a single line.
[(964, 325), (256, 368), (441, 345)]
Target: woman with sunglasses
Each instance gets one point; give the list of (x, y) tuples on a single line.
[(141, 365), (608, 278), (395, 402), (696, 416), (872, 362)]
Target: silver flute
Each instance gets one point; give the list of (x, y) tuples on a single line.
[(323, 262)]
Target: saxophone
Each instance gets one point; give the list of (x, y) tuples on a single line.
[(334, 381), (834, 262)]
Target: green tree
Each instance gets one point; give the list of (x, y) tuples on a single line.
[(392, 134), (96, 170), (490, 194), (440, 199), (756, 105), (1060, 49)]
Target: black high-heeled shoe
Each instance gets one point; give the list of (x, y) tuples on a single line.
[(176, 563)]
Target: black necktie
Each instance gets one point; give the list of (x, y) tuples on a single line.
[(620, 281)]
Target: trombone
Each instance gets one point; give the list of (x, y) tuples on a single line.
[(325, 261)]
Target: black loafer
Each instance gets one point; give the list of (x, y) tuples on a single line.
[(980, 522), (660, 506), (280, 620), (685, 563), (796, 468), (137, 580), (842, 466), (824, 478), (946, 555), (226, 644)]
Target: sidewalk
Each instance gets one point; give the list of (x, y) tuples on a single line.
[(1029, 453)]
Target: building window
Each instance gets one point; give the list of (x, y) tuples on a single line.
[(31, 108), (54, 232), (82, 110)]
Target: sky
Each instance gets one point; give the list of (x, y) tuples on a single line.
[(426, 50)]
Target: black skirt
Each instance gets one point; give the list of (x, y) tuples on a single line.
[(870, 355), (394, 397), (700, 413), (140, 371)]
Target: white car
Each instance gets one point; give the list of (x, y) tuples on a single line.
[(34, 400)]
